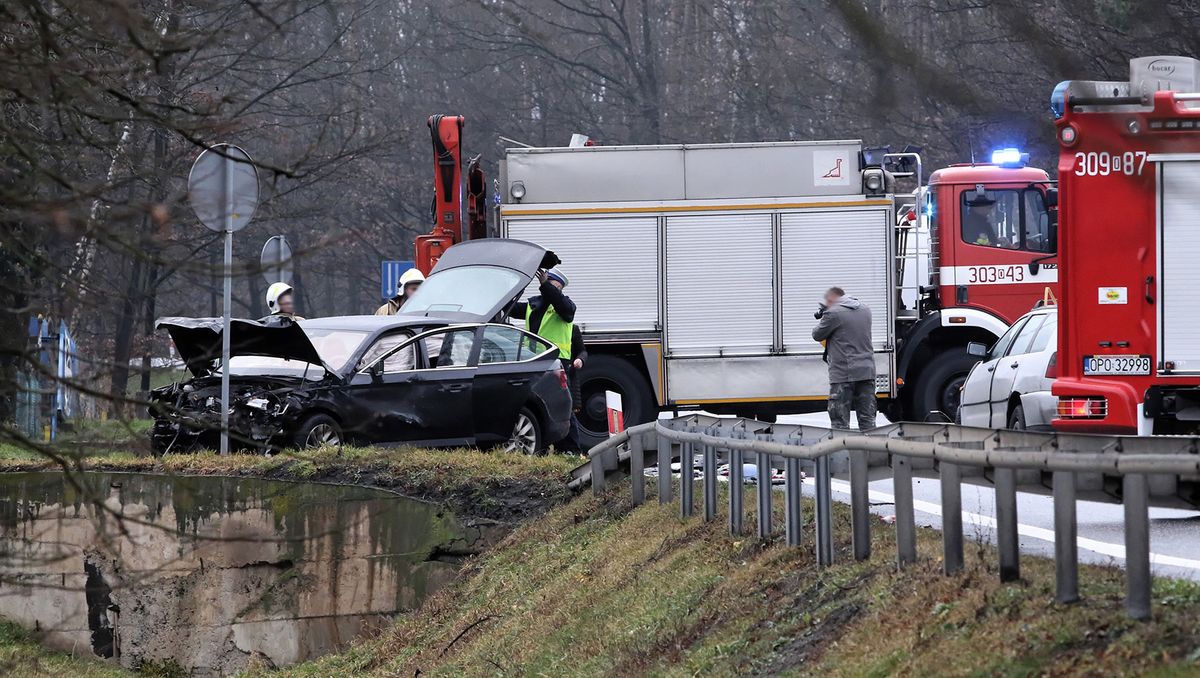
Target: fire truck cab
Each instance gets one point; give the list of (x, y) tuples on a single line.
[(988, 233), (1129, 172)]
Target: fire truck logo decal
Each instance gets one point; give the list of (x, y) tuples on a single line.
[(1161, 67), (831, 168), (1114, 295)]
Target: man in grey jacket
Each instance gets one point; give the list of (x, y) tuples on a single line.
[(845, 327)]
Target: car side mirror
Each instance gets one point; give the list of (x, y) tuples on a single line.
[(376, 370), (977, 350)]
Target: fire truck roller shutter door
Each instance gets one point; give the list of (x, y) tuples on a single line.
[(719, 285), (613, 262), (1179, 276), (847, 248)]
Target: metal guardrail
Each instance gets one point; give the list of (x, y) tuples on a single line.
[(1143, 466)]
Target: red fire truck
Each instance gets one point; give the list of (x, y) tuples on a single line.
[(677, 313), (1129, 173)]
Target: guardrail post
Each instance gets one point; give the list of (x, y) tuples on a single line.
[(860, 506), (792, 493), (597, 463), (637, 460), (737, 486), (1066, 551), (824, 513), (950, 479), (906, 524), (1006, 524), (710, 483), (687, 480), (664, 469), (1135, 496), (764, 495)]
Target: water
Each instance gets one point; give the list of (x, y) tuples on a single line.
[(206, 572)]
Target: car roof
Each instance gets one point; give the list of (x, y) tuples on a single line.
[(1042, 310)]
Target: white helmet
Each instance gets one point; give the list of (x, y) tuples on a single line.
[(275, 291), (412, 275)]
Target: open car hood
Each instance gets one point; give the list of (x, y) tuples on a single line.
[(198, 341), (475, 280)]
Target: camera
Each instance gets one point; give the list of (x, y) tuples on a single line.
[(821, 308)]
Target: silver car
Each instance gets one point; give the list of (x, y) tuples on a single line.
[(1010, 386)]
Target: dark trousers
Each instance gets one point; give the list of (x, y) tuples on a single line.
[(857, 395)]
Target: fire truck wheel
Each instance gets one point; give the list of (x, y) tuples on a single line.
[(939, 387), (1016, 420), (610, 373)]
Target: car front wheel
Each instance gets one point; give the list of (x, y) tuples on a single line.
[(526, 434), (318, 430)]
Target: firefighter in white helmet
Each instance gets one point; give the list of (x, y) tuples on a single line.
[(279, 302), (409, 282)]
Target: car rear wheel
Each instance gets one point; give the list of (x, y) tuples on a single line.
[(526, 434), (318, 430), (1016, 420)]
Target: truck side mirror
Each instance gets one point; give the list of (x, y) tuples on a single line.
[(1051, 198), (977, 350), (1052, 232)]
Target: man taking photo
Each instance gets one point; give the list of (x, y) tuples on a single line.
[(845, 329)]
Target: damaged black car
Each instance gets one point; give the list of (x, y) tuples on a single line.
[(439, 374)]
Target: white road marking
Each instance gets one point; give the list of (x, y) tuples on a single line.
[(1041, 533)]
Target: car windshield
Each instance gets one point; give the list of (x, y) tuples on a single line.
[(335, 346), (467, 289)]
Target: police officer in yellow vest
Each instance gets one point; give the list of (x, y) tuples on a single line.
[(551, 315)]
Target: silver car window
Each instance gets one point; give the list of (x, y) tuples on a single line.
[(1046, 334), (1025, 337)]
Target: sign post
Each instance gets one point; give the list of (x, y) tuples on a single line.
[(223, 192)]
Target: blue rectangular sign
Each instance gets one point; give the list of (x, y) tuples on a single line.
[(390, 272)]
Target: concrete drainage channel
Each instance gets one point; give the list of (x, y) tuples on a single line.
[(205, 572), (1134, 470)]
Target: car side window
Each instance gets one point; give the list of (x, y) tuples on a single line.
[(1025, 337), (381, 346), (451, 348), (1006, 340), (402, 360), (1046, 334), (508, 344)]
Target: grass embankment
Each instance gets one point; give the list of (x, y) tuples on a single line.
[(22, 657), (596, 588)]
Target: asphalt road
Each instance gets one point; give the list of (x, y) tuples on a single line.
[(1174, 534)]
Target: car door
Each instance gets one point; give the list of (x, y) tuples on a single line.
[(1007, 367), (510, 360), (443, 386), (976, 403), (381, 399)]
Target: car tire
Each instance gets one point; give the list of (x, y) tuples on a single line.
[(318, 430), (939, 387), (1016, 420), (526, 435), (610, 372)]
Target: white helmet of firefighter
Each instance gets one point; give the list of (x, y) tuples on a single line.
[(412, 275), (275, 291)]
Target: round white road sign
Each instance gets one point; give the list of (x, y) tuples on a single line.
[(223, 188)]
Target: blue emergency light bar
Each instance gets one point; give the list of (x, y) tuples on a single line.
[(1009, 157)]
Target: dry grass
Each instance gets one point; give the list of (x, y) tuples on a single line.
[(594, 588)]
